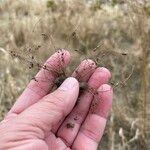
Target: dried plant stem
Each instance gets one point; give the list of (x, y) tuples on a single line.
[(144, 91)]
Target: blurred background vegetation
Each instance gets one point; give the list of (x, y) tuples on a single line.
[(123, 26)]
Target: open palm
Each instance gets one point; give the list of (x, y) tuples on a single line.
[(54, 120)]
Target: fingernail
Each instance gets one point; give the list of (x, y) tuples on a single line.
[(106, 71), (68, 84), (104, 88)]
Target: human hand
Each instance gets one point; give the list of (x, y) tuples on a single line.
[(46, 120)]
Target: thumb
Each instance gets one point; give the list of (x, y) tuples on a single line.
[(51, 108)]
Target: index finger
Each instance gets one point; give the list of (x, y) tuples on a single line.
[(43, 82)]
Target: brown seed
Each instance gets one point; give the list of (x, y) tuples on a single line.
[(31, 65), (124, 53), (74, 34), (34, 79), (70, 125)]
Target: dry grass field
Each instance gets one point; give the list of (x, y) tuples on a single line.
[(122, 28)]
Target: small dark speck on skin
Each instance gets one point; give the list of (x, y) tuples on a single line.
[(70, 125), (75, 118)]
